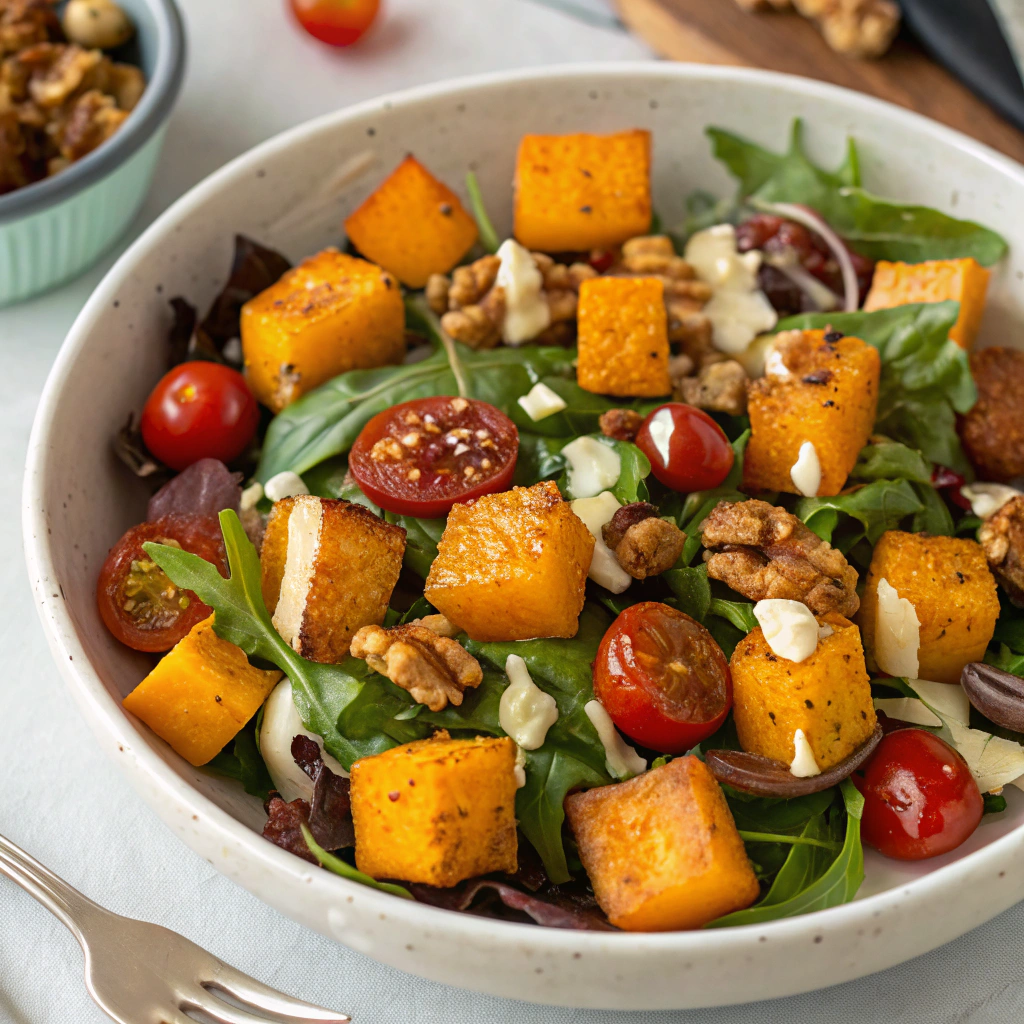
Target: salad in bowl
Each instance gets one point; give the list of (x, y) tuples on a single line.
[(616, 575)]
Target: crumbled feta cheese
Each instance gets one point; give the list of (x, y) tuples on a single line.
[(907, 709), (280, 725), (285, 485), (987, 499), (897, 633), (540, 402), (604, 566), (593, 467), (251, 497), (526, 308), (621, 760), (803, 765), (806, 471), (519, 770), (661, 427), (790, 628), (738, 310), (525, 711)]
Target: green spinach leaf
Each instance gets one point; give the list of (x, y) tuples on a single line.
[(241, 760), (890, 460)]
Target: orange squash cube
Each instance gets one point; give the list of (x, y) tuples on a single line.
[(512, 566), (622, 328), (661, 850), (412, 225), (201, 694), (436, 811), (822, 392), (579, 192), (947, 580), (827, 696), (330, 314), (966, 280)]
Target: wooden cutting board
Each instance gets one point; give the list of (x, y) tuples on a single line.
[(720, 32)]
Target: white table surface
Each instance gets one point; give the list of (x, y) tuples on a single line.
[(250, 76)]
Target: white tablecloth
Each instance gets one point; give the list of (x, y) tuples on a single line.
[(251, 74)]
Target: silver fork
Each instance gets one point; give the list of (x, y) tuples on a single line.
[(140, 973)]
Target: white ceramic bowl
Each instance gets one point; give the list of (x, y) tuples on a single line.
[(292, 192)]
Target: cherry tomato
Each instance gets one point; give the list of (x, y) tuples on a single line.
[(336, 22), (687, 448), (421, 457), (920, 799), (137, 602), (662, 678), (199, 410)]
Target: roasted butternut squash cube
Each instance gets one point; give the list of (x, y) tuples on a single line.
[(827, 696), (412, 225), (579, 192), (823, 393), (512, 566), (947, 580), (622, 329), (966, 280), (330, 314), (662, 850), (201, 694), (436, 811), (341, 565)]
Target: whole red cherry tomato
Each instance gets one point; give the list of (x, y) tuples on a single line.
[(199, 410), (421, 457), (687, 448), (920, 799), (336, 22), (137, 601), (662, 678)]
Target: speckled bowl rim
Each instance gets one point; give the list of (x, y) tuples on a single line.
[(154, 108), (120, 734)]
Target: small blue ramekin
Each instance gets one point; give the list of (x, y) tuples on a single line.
[(52, 230)]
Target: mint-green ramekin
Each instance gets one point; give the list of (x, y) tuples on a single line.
[(54, 229)]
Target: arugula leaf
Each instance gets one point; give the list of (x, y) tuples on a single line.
[(572, 755), (926, 378), (875, 227), (343, 868), (739, 613), (241, 760), (876, 507), (890, 460), (488, 236), (813, 877)]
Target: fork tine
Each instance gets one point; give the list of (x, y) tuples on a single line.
[(224, 1013), (269, 1001)]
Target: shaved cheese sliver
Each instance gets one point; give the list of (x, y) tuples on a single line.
[(897, 633), (907, 709)]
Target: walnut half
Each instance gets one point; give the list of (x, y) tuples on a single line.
[(435, 670), (643, 544), (762, 551), (1002, 538)]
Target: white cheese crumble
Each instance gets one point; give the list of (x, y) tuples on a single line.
[(803, 765), (790, 628), (284, 485), (738, 310), (661, 427), (280, 725), (525, 711), (897, 633), (526, 308), (806, 471), (987, 499), (604, 566), (593, 467), (907, 709), (540, 402), (621, 760), (251, 497)]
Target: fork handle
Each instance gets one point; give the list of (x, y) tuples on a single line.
[(66, 903)]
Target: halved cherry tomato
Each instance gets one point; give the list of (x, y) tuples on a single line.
[(687, 448), (920, 799), (336, 22), (420, 458), (200, 410), (662, 678), (137, 602)]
